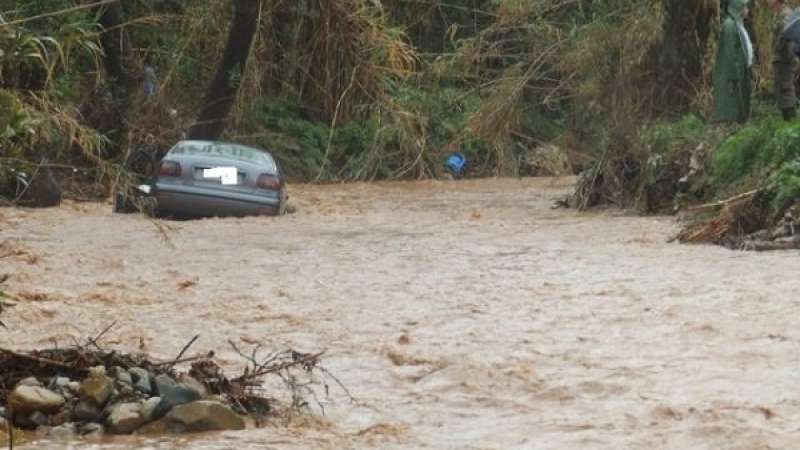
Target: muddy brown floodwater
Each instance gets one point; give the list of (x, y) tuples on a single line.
[(461, 315)]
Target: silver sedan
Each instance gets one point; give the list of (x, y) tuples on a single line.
[(210, 178)]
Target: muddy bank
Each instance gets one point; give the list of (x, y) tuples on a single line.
[(463, 315)]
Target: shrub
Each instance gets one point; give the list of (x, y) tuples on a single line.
[(752, 149)]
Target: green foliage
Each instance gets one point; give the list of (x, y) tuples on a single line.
[(785, 186), (756, 150), (298, 144), (666, 138), (357, 89), (16, 124), (382, 145), (444, 110), (39, 75)]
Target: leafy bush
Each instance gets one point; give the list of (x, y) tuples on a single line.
[(664, 138), (753, 148), (786, 186), (297, 143)]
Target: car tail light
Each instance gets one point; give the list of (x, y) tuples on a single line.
[(269, 182), (169, 169)]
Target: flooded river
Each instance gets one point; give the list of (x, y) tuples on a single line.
[(460, 315)]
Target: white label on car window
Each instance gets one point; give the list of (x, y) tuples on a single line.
[(227, 175)]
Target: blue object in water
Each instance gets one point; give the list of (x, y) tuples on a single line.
[(455, 163)]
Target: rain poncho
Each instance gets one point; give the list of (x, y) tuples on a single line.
[(732, 78)]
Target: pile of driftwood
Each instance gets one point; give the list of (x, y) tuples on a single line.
[(743, 222), (86, 389)]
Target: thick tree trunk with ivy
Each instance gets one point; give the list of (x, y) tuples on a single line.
[(222, 92), (679, 59)]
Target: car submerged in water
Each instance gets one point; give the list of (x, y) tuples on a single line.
[(211, 178)]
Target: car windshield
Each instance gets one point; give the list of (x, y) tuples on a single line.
[(226, 150)]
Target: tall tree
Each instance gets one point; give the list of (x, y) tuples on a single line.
[(222, 92), (679, 58), (115, 47), (116, 50)]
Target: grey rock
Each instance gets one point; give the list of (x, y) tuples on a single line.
[(30, 381), (90, 428), (138, 373), (193, 384), (145, 386), (142, 380), (86, 411), (177, 395), (97, 388), (3, 412), (123, 376), (149, 408), (59, 383), (125, 418), (74, 387), (27, 399), (62, 386), (39, 418), (204, 415), (164, 383)]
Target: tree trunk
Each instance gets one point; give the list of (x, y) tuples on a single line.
[(115, 46), (679, 59), (222, 92)]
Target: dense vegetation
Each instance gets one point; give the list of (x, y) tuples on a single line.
[(617, 90)]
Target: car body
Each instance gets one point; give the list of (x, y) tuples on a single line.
[(211, 178)]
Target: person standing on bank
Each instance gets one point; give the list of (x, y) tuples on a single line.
[(150, 80), (783, 55), (732, 76)]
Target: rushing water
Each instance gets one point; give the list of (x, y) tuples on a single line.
[(460, 315)]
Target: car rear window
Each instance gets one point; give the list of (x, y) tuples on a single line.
[(225, 150)]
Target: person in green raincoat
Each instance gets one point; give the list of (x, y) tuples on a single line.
[(732, 67)]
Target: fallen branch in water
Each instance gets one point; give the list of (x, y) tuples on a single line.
[(735, 198), (305, 360), (185, 347), (100, 335), (173, 362), (42, 361)]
